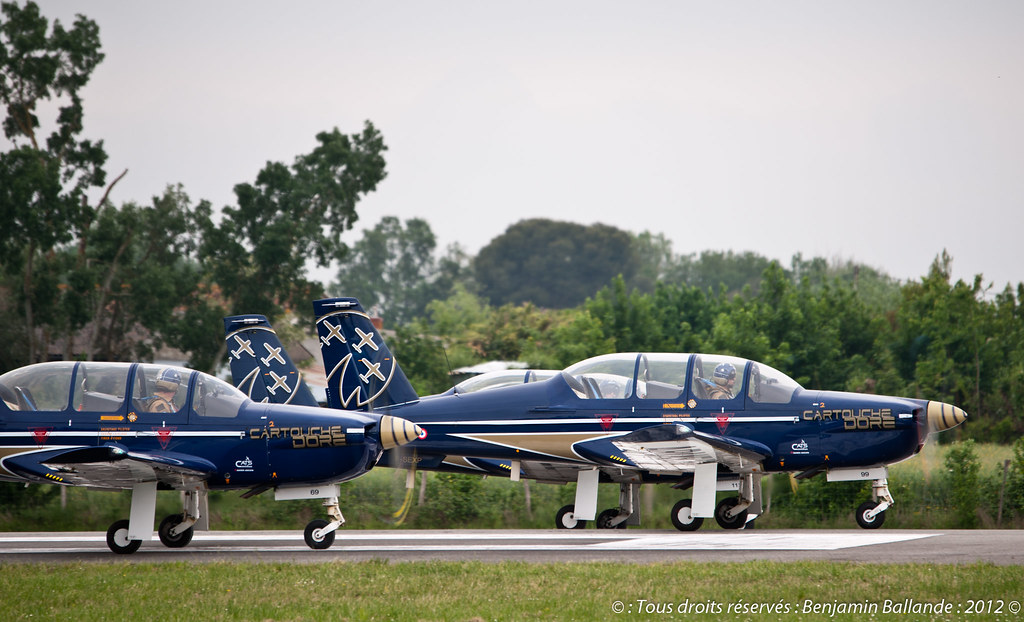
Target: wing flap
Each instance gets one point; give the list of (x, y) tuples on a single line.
[(111, 466), (678, 448)]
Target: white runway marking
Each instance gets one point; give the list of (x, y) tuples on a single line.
[(467, 541), (805, 541)]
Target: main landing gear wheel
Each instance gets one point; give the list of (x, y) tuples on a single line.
[(178, 541), (117, 539), (724, 516), (312, 541), (869, 523), (604, 520), (565, 519), (683, 518)]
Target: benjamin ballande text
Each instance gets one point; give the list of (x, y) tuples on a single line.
[(807, 606)]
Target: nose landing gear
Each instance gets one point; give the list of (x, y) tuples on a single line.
[(871, 514), (319, 534)]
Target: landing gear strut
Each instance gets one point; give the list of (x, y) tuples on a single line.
[(606, 520), (176, 530), (172, 534), (730, 513), (617, 518), (125, 536)]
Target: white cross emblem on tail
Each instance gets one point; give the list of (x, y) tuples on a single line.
[(243, 346), (280, 382), (372, 369), (364, 340), (273, 354), (332, 331)]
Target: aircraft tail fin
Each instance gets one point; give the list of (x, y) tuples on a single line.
[(361, 371), (260, 366)]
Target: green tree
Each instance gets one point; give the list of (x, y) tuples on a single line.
[(945, 344), (1015, 481), (1005, 341), (256, 255), (578, 337), (713, 269), (872, 286), (258, 251), (137, 272), (453, 499), (458, 314), (964, 470), (422, 358), (45, 178), (392, 270), (552, 264), (655, 260)]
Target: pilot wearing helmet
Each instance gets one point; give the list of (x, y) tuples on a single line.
[(724, 379), (164, 389)]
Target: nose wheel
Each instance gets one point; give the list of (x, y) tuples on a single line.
[(319, 533), (871, 514), (316, 535), (868, 517)]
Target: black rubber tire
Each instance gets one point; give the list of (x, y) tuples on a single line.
[(873, 523), (117, 539), (682, 516), (734, 522), (174, 542), (565, 519), (605, 518), (321, 544)]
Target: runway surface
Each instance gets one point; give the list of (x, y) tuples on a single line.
[(883, 546)]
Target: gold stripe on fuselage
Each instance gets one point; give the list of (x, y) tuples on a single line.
[(556, 444)]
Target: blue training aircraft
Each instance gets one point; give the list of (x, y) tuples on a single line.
[(142, 427), (710, 422)]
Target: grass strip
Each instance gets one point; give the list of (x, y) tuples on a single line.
[(476, 591)]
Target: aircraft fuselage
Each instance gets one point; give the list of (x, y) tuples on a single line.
[(544, 421)]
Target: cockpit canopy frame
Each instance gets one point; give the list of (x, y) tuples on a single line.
[(128, 389), (703, 378)]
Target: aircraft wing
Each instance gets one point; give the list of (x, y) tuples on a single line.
[(678, 448), (668, 449), (110, 466)]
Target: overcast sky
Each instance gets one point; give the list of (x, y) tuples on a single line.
[(879, 131)]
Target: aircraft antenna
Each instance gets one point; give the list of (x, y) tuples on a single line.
[(444, 351)]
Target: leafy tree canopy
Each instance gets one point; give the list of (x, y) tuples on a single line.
[(551, 263), (45, 177), (257, 253), (393, 270)]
